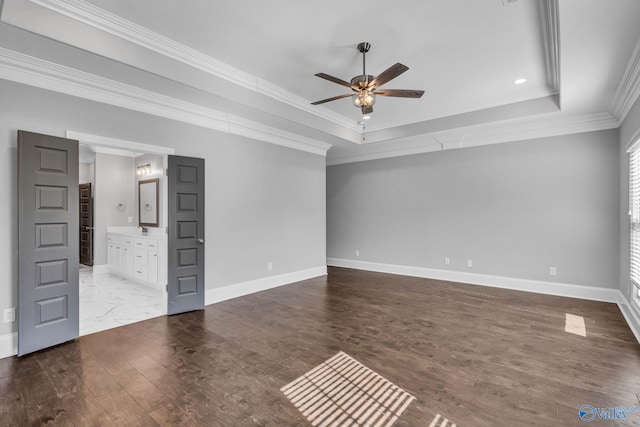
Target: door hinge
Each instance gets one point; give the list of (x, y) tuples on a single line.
[(166, 229), (166, 171), (166, 288)]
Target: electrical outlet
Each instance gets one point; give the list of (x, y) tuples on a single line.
[(270, 266), (357, 252), (552, 271), (469, 263), (130, 219), (9, 315), (447, 261)]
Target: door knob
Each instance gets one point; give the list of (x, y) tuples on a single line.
[(200, 241)]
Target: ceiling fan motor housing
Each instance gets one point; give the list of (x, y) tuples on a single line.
[(361, 80)]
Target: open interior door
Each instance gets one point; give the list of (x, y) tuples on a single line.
[(185, 269), (86, 224), (48, 294)]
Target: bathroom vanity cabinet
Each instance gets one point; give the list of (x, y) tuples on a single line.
[(136, 257)]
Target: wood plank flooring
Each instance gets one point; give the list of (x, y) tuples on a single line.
[(477, 356)]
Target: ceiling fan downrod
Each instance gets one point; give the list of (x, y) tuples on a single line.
[(364, 48)]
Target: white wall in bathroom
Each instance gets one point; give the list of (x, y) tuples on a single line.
[(115, 185), (86, 173)]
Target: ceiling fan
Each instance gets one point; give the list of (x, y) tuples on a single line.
[(366, 87)]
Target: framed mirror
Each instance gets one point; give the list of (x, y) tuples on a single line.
[(148, 202)]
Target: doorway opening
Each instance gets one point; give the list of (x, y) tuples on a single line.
[(122, 274), (173, 255)]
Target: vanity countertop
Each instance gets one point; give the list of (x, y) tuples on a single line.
[(153, 233)]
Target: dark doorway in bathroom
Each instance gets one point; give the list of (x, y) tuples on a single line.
[(86, 224)]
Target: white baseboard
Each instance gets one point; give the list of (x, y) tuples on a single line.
[(215, 295), (9, 342), (8, 345), (100, 269), (630, 315), (537, 286)]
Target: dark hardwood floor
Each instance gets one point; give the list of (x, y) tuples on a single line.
[(475, 355)]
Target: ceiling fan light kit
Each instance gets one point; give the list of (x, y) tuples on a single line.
[(365, 86)]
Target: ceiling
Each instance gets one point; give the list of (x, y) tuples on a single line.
[(252, 64)]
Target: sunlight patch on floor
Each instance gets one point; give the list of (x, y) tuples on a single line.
[(575, 325), (343, 392), (439, 421)]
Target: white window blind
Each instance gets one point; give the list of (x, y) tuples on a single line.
[(634, 208)]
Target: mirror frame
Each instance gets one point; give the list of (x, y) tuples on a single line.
[(155, 181)]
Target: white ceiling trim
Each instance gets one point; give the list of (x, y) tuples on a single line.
[(629, 89), (104, 144), (254, 130), (37, 72), (278, 93), (115, 152), (141, 36), (550, 21), (486, 134)]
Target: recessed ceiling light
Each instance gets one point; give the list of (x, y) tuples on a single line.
[(519, 81), (366, 117)]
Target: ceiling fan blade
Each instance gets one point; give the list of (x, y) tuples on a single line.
[(388, 74), (331, 99), (366, 110), (400, 93), (334, 79)]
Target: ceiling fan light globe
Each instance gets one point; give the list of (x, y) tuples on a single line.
[(364, 99), (369, 99)]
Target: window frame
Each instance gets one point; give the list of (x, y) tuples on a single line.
[(634, 222)]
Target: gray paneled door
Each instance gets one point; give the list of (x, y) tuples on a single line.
[(186, 234), (48, 241)]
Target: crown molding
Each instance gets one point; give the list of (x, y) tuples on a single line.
[(100, 19), (103, 144), (551, 31), (110, 23), (629, 89), (255, 130), (486, 134), (278, 93), (114, 151), (17, 67)]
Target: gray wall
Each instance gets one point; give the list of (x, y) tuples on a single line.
[(515, 209), (157, 167), (115, 184), (263, 202)]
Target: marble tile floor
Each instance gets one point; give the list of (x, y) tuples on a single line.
[(108, 301)]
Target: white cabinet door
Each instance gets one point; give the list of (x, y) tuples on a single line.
[(152, 268), (117, 259), (111, 256), (126, 260), (140, 272)]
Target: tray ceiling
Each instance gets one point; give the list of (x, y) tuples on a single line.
[(257, 60)]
